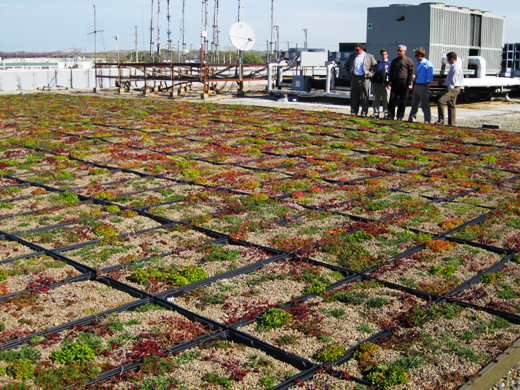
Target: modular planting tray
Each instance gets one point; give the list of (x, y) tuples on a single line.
[(233, 213), (110, 342)]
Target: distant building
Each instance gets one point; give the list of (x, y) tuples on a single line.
[(46, 63)]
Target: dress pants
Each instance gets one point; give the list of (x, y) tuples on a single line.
[(359, 90), (449, 98), (381, 95), (398, 96), (421, 94)]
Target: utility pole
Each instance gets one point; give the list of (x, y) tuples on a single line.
[(151, 34), (305, 44)]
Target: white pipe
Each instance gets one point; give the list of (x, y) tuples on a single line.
[(489, 82), (330, 68), (481, 64)]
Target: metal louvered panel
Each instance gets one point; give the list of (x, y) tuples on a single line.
[(493, 59), (492, 32)]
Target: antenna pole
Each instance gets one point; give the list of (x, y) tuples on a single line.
[(277, 42), (216, 31), (239, 9), (151, 34), (169, 33), (158, 30), (206, 22), (136, 47), (272, 32), (183, 28)]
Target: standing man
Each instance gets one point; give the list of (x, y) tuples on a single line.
[(361, 67), (401, 78), (453, 83), (421, 89), (380, 86)]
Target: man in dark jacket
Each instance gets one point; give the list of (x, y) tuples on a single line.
[(401, 80), (380, 85), (361, 67)]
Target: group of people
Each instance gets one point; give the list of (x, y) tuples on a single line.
[(392, 81)]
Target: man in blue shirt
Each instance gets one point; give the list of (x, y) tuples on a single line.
[(421, 89), (380, 85)]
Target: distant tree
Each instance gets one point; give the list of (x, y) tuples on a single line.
[(253, 58)]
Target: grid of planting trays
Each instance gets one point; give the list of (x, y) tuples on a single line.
[(166, 245)]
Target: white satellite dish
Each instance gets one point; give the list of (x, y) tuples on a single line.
[(242, 36)]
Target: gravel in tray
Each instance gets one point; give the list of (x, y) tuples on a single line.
[(169, 272), (108, 342), (11, 192), (273, 162), (241, 180), (439, 268), (297, 233), (443, 347), (111, 190), (364, 245), (5, 182), (196, 203), (346, 173), (129, 248), (36, 163), (33, 272), (438, 217), (10, 249), (491, 196), (436, 187), (233, 365), (277, 187), (498, 290), (182, 169), (343, 317), (245, 296), (250, 213), (98, 176), (51, 174), (27, 313), (47, 217), (41, 200), (500, 229), (323, 381), (89, 230), (381, 205), (152, 197)]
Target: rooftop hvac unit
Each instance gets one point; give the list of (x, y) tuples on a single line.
[(439, 29)]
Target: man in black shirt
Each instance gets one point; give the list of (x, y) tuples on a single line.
[(401, 80)]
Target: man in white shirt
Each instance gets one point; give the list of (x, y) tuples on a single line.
[(361, 68), (453, 84)]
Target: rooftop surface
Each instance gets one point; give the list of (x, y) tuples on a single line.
[(204, 245)]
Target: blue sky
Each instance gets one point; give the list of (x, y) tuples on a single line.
[(30, 25)]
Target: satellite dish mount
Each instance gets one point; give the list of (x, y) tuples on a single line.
[(242, 37)]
